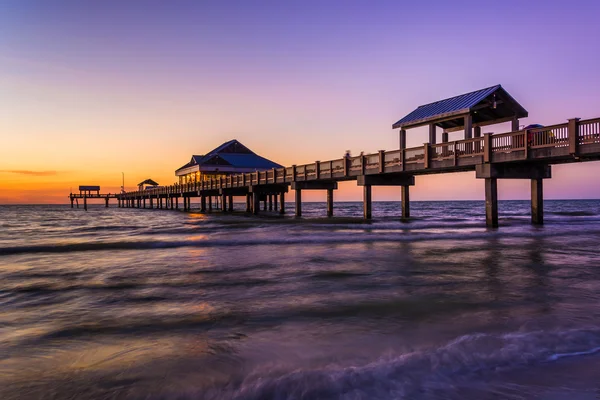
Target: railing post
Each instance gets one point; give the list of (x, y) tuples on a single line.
[(363, 161), (573, 132), (527, 144), (487, 148), (346, 169), (426, 150), (294, 173), (381, 161), (317, 167), (402, 157), (274, 175)]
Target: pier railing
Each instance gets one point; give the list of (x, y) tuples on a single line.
[(546, 143)]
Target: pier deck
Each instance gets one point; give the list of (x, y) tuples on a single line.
[(520, 154)]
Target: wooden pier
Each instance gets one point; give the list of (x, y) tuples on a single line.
[(521, 154), (90, 192)]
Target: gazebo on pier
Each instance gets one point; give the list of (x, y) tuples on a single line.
[(149, 184), (467, 112)]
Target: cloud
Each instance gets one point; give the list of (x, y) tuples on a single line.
[(32, 173)]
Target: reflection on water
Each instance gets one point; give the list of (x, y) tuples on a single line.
[(164, 304)]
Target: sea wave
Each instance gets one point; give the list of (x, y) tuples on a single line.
[(433, 373), (338, 238)]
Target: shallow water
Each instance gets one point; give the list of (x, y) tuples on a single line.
[(152, 304)]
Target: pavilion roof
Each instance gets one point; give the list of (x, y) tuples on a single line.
[(486, 106)]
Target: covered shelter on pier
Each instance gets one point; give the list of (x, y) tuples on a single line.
[(467, 112), (231, 157), (148, 183)]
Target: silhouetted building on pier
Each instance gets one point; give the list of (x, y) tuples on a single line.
[(231, 157)]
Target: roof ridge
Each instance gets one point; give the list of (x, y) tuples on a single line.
[(460, 95)]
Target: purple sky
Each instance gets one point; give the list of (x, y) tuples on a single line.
[(295, 81)]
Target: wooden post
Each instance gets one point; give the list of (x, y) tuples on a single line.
[(487, 147), (514, 124), (573, 132), (330, 203), (537, 201), (202, 203), (346, 166), (144, 202), (491, 202), (255, 203), (402, 137), (275, 202), (468, 126), (177, 202), (223, 203), (367, 201), (270, 202), (210, 203), (151, 203), (282, 203), (298, 202), (381, 161), (106, 200), (85, 202), (432, 134), (477, 134), (71, 202), (265, 204), (317, 170), (363, 164), (248, 202), (405, 202), (426, 155), (445, 140), (230, 203)]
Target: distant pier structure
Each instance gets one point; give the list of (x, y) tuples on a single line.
[(91, 192), (522, 153)]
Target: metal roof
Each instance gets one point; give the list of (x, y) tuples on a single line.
[(235, 154), (148, 182), (249, 161), (460, 105)]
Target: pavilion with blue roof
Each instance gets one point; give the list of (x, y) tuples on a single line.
[(468, 112), (231, 157)]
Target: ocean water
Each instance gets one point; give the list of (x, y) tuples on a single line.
[(152, 304)]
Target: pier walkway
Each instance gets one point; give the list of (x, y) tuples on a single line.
[(519, 154)]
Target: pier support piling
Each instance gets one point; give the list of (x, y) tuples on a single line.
[(85, 203), (270, 202), (491, 202), (202, 203), (282, 203), (367, 201), (537, 201), (230, 200), (248, 202), (255, 203), (330, 203), (224, 203), (405, 201), (298, 202)]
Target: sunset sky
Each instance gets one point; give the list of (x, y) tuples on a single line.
[(91, 89)]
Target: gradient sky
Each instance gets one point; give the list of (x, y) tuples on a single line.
[(90, 89)]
